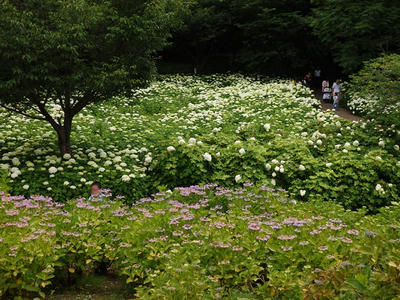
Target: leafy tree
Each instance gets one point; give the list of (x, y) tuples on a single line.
[(207, 31), (358, 30), (59, 56), (252, 35), (275, 35)]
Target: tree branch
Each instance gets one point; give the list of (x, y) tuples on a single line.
[(22, 113), (46, 114)]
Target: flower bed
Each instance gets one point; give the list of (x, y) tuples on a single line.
[(202, 241), (187, 130)]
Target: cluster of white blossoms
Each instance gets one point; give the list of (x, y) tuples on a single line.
[(371, 106), (130, 139), (238, 178), (207, 156), (379, 189)]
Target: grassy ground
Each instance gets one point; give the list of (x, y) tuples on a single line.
[(93, 287)]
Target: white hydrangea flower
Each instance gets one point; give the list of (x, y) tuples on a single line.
[(26, 187), (15, 161), (238, 178), (302, 193), (53, 170), (267, 127), (171, 149), (379, 189), (242, 151), (302, 168), (207, 156), (125, 178)]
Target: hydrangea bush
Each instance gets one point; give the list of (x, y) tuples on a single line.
[(202, 242), (374, 92), (226, 129)]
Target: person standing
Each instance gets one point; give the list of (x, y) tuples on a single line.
[(317, 76), (307, 80), (326, 91), (336, 93)]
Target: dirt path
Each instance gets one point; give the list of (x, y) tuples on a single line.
[(342, 112)]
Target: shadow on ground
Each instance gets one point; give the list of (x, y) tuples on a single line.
[(94, 287)]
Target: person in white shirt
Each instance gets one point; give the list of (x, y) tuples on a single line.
[(336, 93), (336, 87), (317, 76)]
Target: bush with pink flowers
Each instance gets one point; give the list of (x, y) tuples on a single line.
[(202, 242)]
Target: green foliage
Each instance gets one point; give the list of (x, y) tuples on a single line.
[(269, 37), (357, 31), (185, 245), (275, 36), (224, 129), (374, 92), (3, 181), (59, 56)]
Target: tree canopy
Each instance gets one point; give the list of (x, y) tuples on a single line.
[(59, 56), (286, 37), (357, 31)]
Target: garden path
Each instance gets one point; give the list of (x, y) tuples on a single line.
[(342, 112)]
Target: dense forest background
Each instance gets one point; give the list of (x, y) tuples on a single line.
[(282, 37)]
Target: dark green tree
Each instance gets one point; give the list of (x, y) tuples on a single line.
[(207, 31), (276, 37), (251, 35), (358, 30), (58, 56)]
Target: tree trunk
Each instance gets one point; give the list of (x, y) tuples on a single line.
[(64, 136), (64, 140)]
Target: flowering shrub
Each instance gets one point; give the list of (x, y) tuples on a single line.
[(226, 129), (202, 241), (374, 92)]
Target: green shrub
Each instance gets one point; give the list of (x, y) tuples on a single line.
[(3, 181), (374, 92), (225, 129), (202, 242)]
